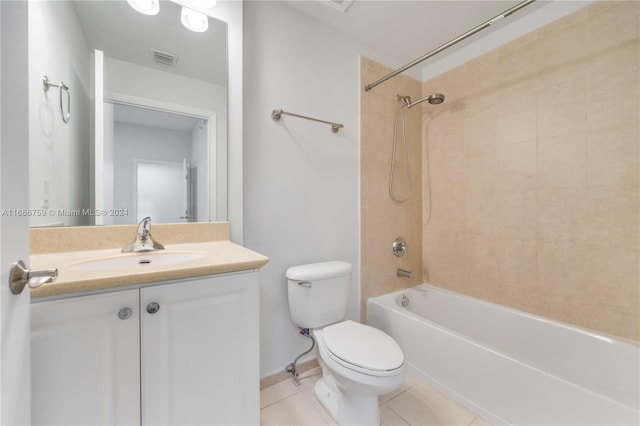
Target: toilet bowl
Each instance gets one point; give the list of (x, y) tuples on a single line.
[(358, 362)]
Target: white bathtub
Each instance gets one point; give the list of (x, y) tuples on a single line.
[(508, 366)]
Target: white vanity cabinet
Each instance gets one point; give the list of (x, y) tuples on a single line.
[(200, 352), (188, 354), (85, 365)]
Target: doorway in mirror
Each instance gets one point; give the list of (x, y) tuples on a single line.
[(162, 191), (155, 164)]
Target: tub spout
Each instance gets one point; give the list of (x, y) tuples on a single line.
[(404, 273)]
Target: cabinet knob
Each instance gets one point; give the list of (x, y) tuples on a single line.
[(125, 313), (153, 307)]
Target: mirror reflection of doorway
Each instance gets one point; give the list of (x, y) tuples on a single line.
[(160, 165), (162, 191)]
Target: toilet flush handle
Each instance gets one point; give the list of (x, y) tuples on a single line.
[(306, 284)]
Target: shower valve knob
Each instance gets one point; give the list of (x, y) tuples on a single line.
[(399, 247)]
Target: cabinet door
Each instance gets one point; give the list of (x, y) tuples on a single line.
[(85, 360), (200, 352)]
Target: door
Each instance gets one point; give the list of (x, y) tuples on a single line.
[(160, 191), (86, 360), (15, 389)]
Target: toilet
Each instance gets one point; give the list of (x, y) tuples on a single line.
[(358, 362)]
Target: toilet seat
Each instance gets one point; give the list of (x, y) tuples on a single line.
[(363, 348)]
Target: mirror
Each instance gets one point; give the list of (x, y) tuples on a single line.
[(147, 107)]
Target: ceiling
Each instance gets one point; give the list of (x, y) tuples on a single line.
[(399, 30), (406, 30), (122, 33)]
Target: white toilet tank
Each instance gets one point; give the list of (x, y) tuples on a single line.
[(318, 293)]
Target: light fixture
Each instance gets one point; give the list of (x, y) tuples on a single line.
[(192, 19), (148, 7), (195, 21)]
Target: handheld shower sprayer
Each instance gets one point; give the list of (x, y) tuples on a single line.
[(433, 99)]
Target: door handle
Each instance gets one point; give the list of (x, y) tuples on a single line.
[(20, 276)]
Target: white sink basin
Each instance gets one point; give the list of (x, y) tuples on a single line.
[(137, 261)]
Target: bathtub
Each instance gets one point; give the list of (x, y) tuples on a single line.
[(508, 366)]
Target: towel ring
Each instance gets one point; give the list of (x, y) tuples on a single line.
[(46, 83)]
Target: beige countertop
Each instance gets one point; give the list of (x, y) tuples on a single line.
[(213, 257)]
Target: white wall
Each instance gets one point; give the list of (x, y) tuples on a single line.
[(301, 181), (58, 152), (150, 83), (135, 142)]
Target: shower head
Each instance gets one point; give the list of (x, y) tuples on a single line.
[(433, 99), (436, 98)]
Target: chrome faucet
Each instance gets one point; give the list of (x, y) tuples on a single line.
[(143, 240)]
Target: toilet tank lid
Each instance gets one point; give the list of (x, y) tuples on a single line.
[(319, 271)]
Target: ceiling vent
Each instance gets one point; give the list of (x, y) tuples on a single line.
[(164, 58), (339, 5)]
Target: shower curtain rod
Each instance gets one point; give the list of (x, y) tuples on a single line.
[(450, 43)]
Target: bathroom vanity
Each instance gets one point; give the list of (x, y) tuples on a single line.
[(123, 350)]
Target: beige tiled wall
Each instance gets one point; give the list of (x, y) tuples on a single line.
[(533, 162), (383, 220)]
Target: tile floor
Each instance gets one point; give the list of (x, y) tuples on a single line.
[(415, 403)]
